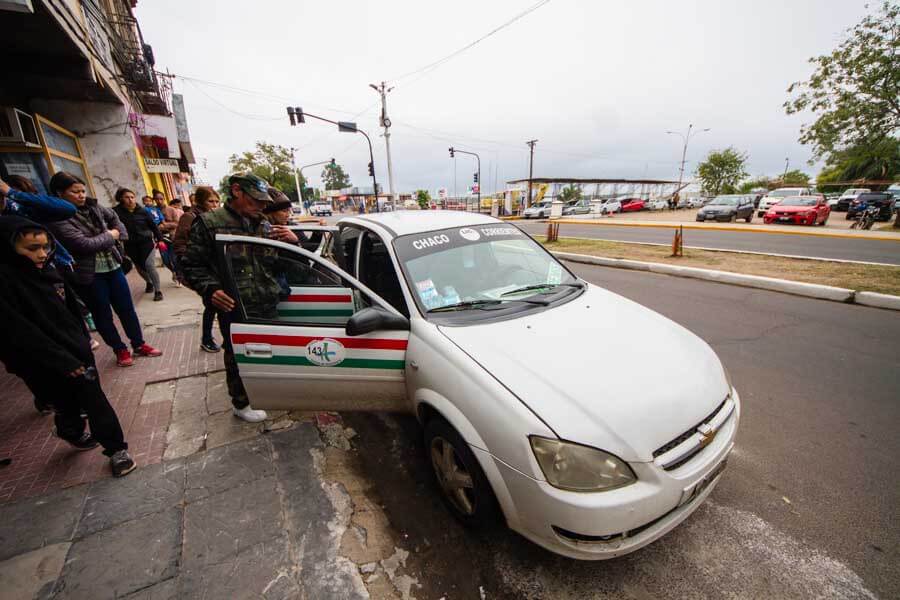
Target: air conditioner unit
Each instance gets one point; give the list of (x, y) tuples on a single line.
[(17, 128)]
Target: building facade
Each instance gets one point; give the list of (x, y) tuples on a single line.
[(81, 94)]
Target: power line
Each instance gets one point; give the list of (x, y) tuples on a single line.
[(231, 110), (431, 66)]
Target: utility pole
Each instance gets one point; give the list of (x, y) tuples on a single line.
[(531, 144), (386, 123), (297, 182), (686, 139)]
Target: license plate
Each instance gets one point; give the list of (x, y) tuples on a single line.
[(692, 492), (784, 218)]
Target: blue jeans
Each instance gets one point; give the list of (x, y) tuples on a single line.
[(108, 292)]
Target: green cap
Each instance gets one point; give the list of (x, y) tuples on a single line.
[(255, 187)]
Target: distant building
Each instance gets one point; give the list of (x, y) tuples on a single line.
[(80, 94)]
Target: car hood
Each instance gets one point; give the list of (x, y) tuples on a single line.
[(793, 209), (602, 370)]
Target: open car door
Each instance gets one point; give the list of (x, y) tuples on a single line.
[(307, 335)]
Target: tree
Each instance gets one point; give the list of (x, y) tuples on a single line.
[(761, 182), (270, 162), (423, 198), (855, 90), (334, 177), (722, 171), (879, 161), (569, 193)]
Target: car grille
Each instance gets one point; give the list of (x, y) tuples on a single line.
[(674, 443)]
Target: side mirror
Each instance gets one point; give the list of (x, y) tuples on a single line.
[(375, 319)]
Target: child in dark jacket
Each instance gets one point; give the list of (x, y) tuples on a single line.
[(44, 341)]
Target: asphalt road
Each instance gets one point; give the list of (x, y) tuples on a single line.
[(809, 505), (798, 245)]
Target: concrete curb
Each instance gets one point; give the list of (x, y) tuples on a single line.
[(715, 227), (797, 288)]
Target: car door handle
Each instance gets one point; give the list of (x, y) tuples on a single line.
[(259, 350)]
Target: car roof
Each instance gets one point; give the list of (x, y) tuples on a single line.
[(405, 222)]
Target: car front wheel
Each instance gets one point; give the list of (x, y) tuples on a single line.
[(464, 487)]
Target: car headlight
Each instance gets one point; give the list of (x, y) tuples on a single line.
[(578, 468)]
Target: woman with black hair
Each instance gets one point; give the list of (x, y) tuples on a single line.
[(143, 235), (92, 237)]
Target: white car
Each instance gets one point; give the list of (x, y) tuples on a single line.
[(320, 209), (541, 210), (657, 204), (611, 206), (443, 315), (776, 196)]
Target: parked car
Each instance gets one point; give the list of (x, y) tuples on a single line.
[(320, 209), (577, 207), (657, 204), (832, 199), (799, 210), (694, 202), (632, 205), (729, 207), (776, 196), (449, 335), (883, 200), (611, 206), (541, 210), (847, 197)]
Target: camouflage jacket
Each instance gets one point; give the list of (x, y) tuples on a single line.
[(253, 268)]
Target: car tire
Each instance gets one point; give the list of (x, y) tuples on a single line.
[(847, 217), (749, 218), (472, 503)]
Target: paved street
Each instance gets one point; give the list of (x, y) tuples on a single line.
[(807, 508), (797, 245)]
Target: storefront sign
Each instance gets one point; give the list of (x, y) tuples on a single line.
[(162, 165)]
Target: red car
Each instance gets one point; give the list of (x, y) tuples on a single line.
[(800, 210), (632, 205)]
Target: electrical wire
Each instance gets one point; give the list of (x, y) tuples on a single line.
[(431, 66), (231, 110)]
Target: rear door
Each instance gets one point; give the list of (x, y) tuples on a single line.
[(289, 332)]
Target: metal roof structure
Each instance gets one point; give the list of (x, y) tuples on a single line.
[(540, 180)]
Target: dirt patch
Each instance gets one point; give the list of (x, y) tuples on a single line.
[(884, 279)]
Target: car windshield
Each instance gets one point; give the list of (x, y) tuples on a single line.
[(782, 193), (798, 201), (726, 201), (471, 268)]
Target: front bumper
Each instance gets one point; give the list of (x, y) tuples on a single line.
[(603, 525), (719, 217), (789, 220)]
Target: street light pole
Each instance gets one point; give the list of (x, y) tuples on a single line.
[(297, 182), (296, 115), (787, 161), (686, 138), (477, 177), (324, 162), (531, 144), (386, 123)]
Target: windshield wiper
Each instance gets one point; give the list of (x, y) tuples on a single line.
[(463, 305), (541, 286)]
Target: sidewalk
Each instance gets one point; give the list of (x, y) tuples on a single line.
[(218, 508)]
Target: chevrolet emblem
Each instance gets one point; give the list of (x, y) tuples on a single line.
[(707, 434)]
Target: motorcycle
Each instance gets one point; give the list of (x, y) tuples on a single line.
[(865, 218)]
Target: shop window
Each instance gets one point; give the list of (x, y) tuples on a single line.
[(63, 151)]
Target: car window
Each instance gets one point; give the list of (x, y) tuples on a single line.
[(377, 272), (276, 285), (345, 249)]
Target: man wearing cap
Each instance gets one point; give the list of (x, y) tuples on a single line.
[(278, 213), (242, 214)]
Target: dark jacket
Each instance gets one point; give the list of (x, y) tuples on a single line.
[(180, 239), (142, 232), (43, 332), (202, 268), (84, 244), (42, 209)]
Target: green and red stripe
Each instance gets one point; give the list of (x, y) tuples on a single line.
[(303, 340)]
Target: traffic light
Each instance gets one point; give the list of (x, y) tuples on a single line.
[(371, 170), (295, 113), (475, 177), (451, 152)]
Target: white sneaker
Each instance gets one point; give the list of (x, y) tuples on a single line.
[(250, 415)]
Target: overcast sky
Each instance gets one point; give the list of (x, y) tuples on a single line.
[(598, 83)]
